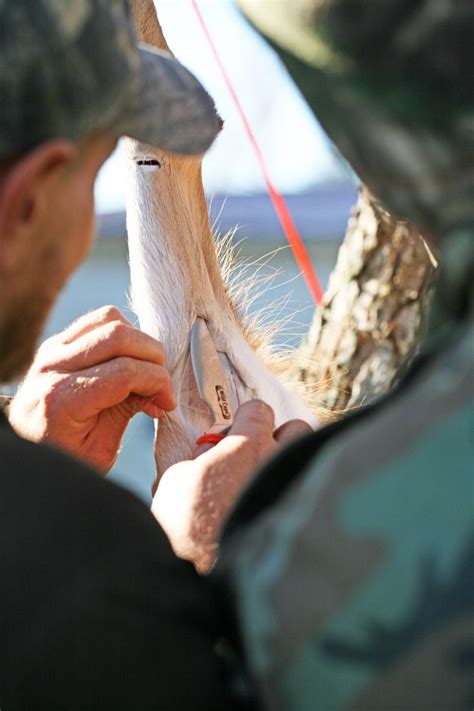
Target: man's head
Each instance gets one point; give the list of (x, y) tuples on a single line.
[(46, 229), (72, 80), (70, 69)]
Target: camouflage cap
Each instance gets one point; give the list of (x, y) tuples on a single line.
[(69, 69)]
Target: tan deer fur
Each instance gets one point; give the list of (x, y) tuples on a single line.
[(175, 277)]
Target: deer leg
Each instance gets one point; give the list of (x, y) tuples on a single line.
[(175, 277)]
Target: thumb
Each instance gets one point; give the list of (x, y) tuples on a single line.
[(253, 420)]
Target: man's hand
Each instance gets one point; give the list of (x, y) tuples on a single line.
[(87, 382), (194, 497)]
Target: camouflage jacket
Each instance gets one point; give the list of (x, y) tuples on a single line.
[(349, 561)]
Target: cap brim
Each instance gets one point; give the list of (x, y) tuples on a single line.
[(170, 108)]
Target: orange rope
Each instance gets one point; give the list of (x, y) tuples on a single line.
[(291, 231)]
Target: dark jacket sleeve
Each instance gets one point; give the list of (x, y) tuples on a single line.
[(96, 612)]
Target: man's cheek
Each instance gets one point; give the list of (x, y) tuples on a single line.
[(85, 230)]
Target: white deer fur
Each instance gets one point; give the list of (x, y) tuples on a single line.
[(175, 277)]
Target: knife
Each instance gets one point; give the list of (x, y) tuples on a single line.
[(210, 377)]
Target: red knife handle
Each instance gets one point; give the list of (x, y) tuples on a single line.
[(211, 438)]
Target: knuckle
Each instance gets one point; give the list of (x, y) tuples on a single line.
[(119, 332), (121, 375), (46, 344), (45, 347), (291, 429), (306, 427), (42, 362), (160, 378), (162, 352), (52, 393), (110, 313), (125, 367), (299, 425)]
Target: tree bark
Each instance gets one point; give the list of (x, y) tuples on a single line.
[(371, 319)]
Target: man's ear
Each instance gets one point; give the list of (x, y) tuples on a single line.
[(24, 194)]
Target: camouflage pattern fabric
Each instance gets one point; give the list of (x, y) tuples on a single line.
[(70, 69), (391, 83), (349, 561)]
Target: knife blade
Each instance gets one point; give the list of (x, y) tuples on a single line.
[(210, 376)]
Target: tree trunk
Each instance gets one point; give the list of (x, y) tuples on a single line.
[(371, 319)]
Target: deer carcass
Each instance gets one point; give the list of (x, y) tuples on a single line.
[(176, 278)]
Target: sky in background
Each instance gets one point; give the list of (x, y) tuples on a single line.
[(297, 153)]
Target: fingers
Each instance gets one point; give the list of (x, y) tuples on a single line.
[(252, 427), (99, 336), (105, 342), (90, 391), (138, 403), (291, 430), (90, 321), (253, 419), (194, 497)]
